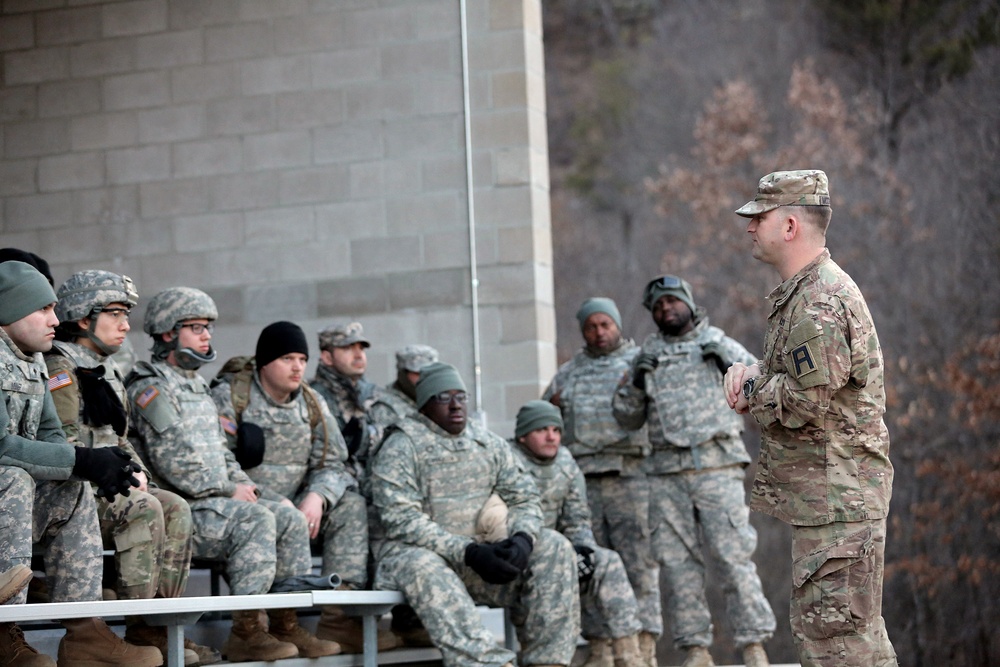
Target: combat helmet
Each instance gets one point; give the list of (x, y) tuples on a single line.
[(84, 295), (166, 311)]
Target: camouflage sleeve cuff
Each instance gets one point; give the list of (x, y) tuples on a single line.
[(764, 400)]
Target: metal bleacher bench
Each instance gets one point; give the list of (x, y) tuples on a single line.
[(175, 613)]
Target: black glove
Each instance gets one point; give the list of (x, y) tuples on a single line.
[(249, 450), (584, 563), (515, 550), (643, 363), (110, 468), (353, 432), (101, 405), (714, 352), (485, 561)]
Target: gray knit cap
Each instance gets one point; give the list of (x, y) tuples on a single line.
[(436, 378), (23, 290)]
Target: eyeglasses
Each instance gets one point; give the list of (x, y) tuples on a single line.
[(447, 397), (117, 314), (197, 328)]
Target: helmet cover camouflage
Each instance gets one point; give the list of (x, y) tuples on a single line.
[(88, 291), (174, 305)]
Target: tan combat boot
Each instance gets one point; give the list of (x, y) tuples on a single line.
[(13, 582), (206, 654), (626, 651), (755, 656), (249, 640), (89, 642), (285, 628), (16, 652), (647, 649), (600, 653), (698, 656), (138, 633), (334, 625)]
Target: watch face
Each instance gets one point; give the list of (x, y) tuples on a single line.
[(748, 388)]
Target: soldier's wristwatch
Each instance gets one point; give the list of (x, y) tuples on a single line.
[(748, 387)]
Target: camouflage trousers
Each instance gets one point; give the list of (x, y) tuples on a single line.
[(344, 532), (607, 603), (707, 508), (619, 508), (544, 603), (151, 535), (836, 603), (259, 541), (63, 522)]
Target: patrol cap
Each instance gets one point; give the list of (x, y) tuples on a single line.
[(342, 335), (23, 290), (803, 187), (414, 357)]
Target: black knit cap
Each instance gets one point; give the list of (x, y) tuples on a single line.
[(279, 339), (18, 255)]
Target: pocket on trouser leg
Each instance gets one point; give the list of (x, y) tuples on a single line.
[(833, 594), (137, 557)]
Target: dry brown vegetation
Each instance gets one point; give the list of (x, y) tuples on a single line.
[(661, 125)]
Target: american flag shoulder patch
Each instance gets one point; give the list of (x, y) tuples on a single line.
[(146, 397), (228, 425), (60, 380)]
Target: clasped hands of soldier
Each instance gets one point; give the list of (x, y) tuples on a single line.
[(733, 382), (111, 469), (500, 562)]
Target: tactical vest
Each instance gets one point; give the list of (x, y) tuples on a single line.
[(585, 397), (456, 476), (552, 482), (90, 436), (23, 381)]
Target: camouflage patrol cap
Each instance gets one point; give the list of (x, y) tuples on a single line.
[(87, 291), (174, 305), (414, 357), (803, 187), (342, 335)]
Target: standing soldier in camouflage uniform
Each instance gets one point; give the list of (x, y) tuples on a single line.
[(819, 397), (182, 441), (608, 609), (36, 463), (300, 462), (612, 461), (696, 472), (151, 529), (430, 479)]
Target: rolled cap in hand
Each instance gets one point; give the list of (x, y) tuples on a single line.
[(599, 304), (342, 335), (23, 290), (534, 415), (803, 187), (436, 378)]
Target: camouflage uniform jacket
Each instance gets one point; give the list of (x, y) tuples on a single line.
[(179, 432), (585, 385), (428, 486), (564, 494), (296, 461), (389, 405), (820, 402), (690, 424), (62, 363), (346, 401), (31, 436)]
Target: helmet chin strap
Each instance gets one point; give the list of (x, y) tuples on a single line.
[(191, 360), (108, 350)]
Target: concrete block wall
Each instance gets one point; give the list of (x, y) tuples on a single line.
[(296, 159)]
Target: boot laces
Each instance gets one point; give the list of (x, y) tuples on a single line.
[(19, 643)]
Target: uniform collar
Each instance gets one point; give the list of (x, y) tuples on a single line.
[(785, 290)]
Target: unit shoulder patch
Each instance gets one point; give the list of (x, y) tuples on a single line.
[(805, 360)]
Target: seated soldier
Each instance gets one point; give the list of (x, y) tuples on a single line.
[(151, 529), (182, 441), (298, 460), (609, 611), (39, 503), (430, 478), (391, 403)]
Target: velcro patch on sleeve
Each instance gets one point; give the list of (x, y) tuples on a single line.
[(145, 398), (60, 380), (228, 425)]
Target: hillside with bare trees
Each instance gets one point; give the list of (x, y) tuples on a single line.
[(663, 115)]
